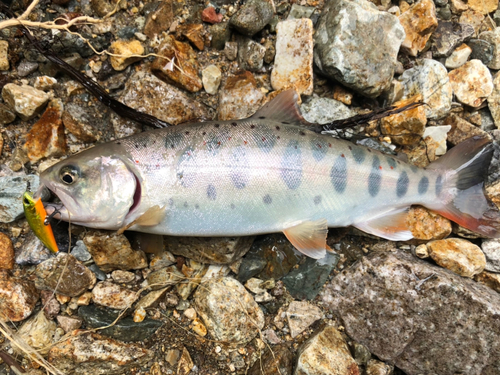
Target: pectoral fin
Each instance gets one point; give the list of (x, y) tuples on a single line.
[(392, 225), (153, 216), (309, 237)]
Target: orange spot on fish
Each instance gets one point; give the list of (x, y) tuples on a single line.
[(218, 143), (204, 143), (329, 145), (263, 139), (137, 161), (318, 145), (380, 167), (245, 142), (343, 155), (392, 167)]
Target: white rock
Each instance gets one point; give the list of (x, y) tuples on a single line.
[(494, 101), (211, 78), (458, 57), (4, 55), (112, 295), (45, 83), (438, 135), (254, 285), (38, 332), (26, 101), (472, 83), (300, 315), (491, 249), (494, 38), (324, 110)]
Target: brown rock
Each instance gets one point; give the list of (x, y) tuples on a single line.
[(427, 225), (461, 130), (471, 83), (114, 296), (6, 115), (6, 252), (489, 279), (50, 304), (46, 138), (127, 51), (343, 95), (239, 97), (69, 323), (17, 298), (185, 364), (419, 23), (210, 15), (183, 72), (76, 120), (458, 255), (159, 20), (278, 361), (374, 367), (193, 33), (483, 6)]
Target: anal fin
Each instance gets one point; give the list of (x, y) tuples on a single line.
[(391, 225), (309, 237)]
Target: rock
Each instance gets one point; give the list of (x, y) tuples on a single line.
[(494, 101), (123, 277), (461, 130), (458, 255), (159, 20), (45, 83), (228, 311), (374, 367), (124, 329), (46, 138), (112, 251), (473, 18), (324, 352), (429, 78), (252, 16), (491, 249), (151, 299), (444, 13), (221, 33), (250, 54), (324, 110), (239, 97), (361, 354), (65, 275), (128, 51), (6, 252), (194, 273), (363, 57), (80, 252), (300, 316), (33, 251), (277, 361), (483, 6), (50, 304), (193, 33), (256, 285), (306, 281), (210, 15), (81, 123), (25, 68), (17, 298), (419, 22), (91, 353), (293, 62), (482, 50), (407, 127), (438, 135), (178, 54), (458, 57), (162, 260), (385, 303), (26, 101), (69, 323), (211, 77), (493, 37), (427, 225), (114, 296), (38, 332), (4, 55), (210, 250), (449, 35), (185, 364), (231, 51), (6, 115), (491, 280), (300, 11), (164, 277)]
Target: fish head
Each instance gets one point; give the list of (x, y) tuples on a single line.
[(96, 187)]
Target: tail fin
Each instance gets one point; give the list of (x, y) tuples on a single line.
[(469, 207)]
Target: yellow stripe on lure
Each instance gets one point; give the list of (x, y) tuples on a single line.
[(35, 214)]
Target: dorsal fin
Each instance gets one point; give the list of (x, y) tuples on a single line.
[(283, 108)]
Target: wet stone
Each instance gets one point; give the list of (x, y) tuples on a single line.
[(26, 101), (362, 58), (491, 249), (17, 297), (114, 296), (124, 330), (458, 57), (427, 225), (494, 101), (6, 115), (228, 311), (294, 56), (69, 323), (419, 22), (493, 37), (481, 50), (300, 316), (250, 54), (449, 35), (112, 251), (252, 16), (33, 251), (79, 354), (6, 252), (279, 361), (324, 110), (458, 255), (239, 97), (66, 273), (38, 332), (306, 281)]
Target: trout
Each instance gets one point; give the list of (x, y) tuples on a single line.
[(267, 173)]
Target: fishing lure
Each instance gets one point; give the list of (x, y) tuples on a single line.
[(36, 215)]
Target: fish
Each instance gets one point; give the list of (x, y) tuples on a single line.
[(267, 173), (35, 213)]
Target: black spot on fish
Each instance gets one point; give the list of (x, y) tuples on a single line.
[(267, 199), (173, 140), (234, 123), (217, 125), (232, 206), (204, 133), (423, 185), (239, 167), (170, 203), (317, 199), (338, 174), (302, 133), (264, 138), (185, 204), (319, 148), (291, 166), (402, 185), (285, 122), (439, 185), (186, 168), (358, 153), (375, 177), (391, 162), (413, 168), (118, 143), (252, 126), (211, 192), (262, 117), (278, 128)]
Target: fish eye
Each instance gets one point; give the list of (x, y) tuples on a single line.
[(69, 174)]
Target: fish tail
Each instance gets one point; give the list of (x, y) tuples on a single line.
[(467, 165)]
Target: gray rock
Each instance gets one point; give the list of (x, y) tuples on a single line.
[(33, 251), (444, 13), (300, 11), (481, 50), (221, 33), (26, 101), (164, 277), (250, 54), (80, 252), (300, 316), (449, 35), (357, 45), (231, 50), (12, 189), (69, 323), (324, 110), (494, 38), (26, 67), (252, 16), (491, 249), (101, 276), (125, 329), (423, 327), (6, 115)]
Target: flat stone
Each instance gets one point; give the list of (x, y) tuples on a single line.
[(25, 68), (362, 57), (162, 260), (33, 251), (182, 55), (65, 275), (491, 249), (210, 250), (439, 135), (293, 62), (458, 255), (449, 35), (4, 55), (252, 16), (114, 296), (127, 51), (6, 252), (300, 316), (324, 353), (112, 251), (322, 111), (427, 225), (26, 101), (37, 332), (123, 277), (458, 57), (493, 37), (461, 130), (91, 353), (483, 6), (494, 101), (69, 323), (250, 54), (385, 304), (46, 138), (194, 33), (239, 97), (151, 299), (228, 311), (429, 78), (164, 277), (159, 20), (419, 22), (278, 361), (18, 297)]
